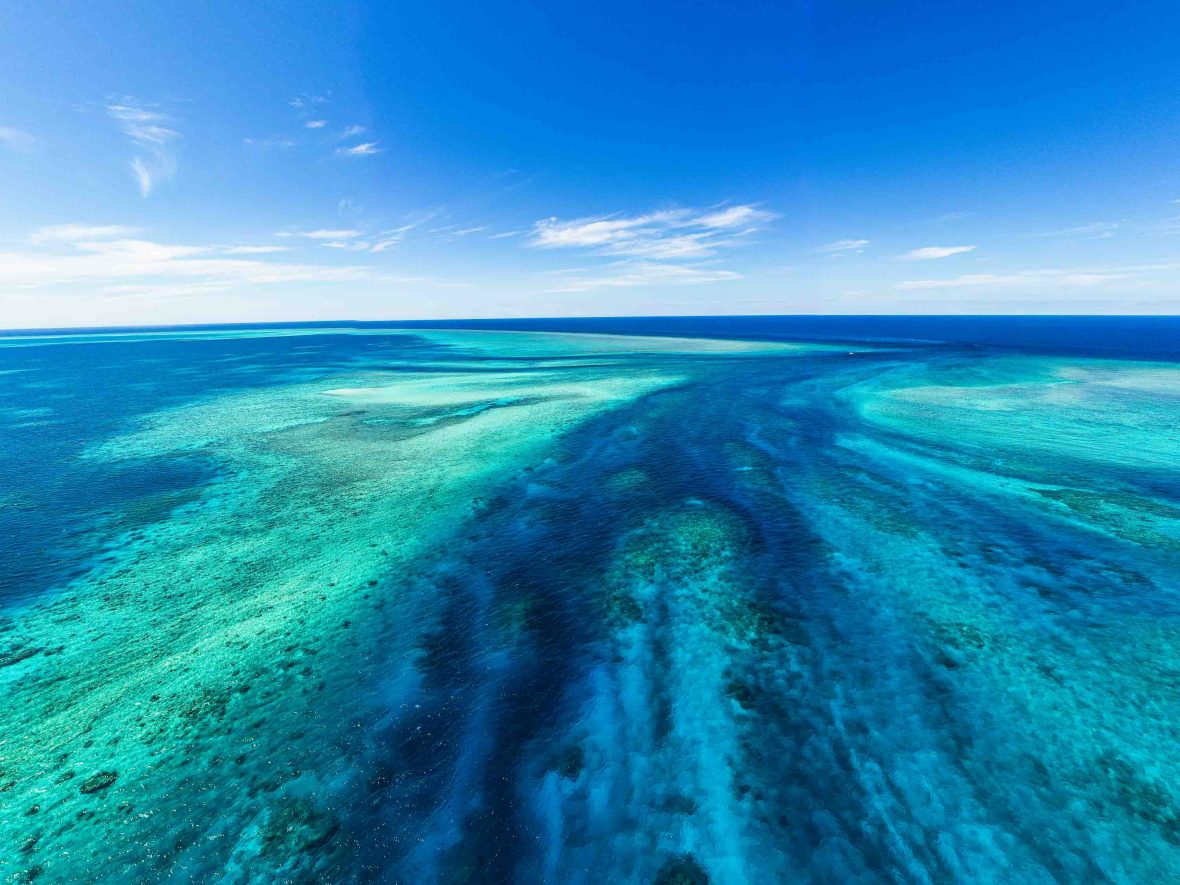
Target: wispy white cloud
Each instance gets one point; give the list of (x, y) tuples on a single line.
[(306, 101), (839, 247), (667, 247), (447, 233), (454, 232), (365, 149), (275, 142), (16, 139), (316, 124), (105, 257), (1049, 278), (351, 131), (73, 233), (323, 234), (397, 231), (602, 232), (633, 274), (349, 245), (505, 234), (694, 245), (734, 216), (255, 250), (1098, 230), (151, 133), (386, 239), (930, 253), (355, 239), (376, 241), (671, 233)]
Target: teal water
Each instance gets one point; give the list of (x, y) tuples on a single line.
[(406, 605)]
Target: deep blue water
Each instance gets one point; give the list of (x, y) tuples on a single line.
[(1130, 337)]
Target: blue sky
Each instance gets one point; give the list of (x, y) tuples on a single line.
[(174, 162)]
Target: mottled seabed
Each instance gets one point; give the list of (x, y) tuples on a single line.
[(505, 607)]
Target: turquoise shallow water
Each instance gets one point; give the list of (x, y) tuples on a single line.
[(400, 605)]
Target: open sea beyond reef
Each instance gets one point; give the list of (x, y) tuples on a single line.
[(745, 600)]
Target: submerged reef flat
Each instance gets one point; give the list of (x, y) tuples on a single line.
[(442, 606)]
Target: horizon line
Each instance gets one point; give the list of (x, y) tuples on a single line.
[(426, 323)]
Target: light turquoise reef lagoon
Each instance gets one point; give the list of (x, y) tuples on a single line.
[(380, 604)]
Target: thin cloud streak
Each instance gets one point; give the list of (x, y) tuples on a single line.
[(839, 247), (276, 142), (665, 234), (16, 139), (1045, 278), (366, 149), (733, 217), (306, 101), (73, 233), (103, 256), (151, 134), (1098, 230), (389, 238), (666, 247), (932, 253), (637, 274), (323, 234), (255, 250)]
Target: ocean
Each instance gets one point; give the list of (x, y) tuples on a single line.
[(652, 600)]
